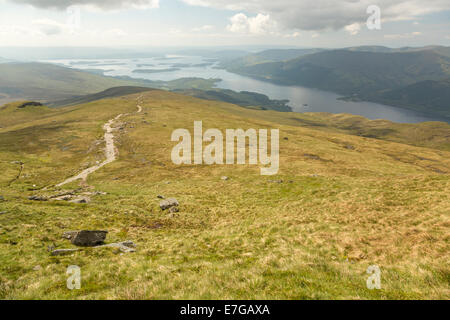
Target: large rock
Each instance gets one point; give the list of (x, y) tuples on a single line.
[(87, 238), (168, 203), (38, 198)]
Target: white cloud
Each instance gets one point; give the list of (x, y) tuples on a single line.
[(49, 27), (37, 28), (292, 35), (402, 35), (102, 4), (115, 33), (327, 14), (203, 28), (260, 24), (353, 28)]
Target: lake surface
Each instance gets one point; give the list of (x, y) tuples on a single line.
[(301, 99)]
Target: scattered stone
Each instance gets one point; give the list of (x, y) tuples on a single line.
[(2, 212), (225, 178), (286, 138), (276, 181), (349, 147), (69, 235), (37, 268), (81, 200), (172, 215), (87, 238), (312, 156), (62, 198), (125, 246), (174, 210), (2, 198), (169, 203), (37, 198), (160, 196), (62, 252)]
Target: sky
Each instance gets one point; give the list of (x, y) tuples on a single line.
[(181, 23)]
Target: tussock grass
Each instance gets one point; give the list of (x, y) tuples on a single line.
[(346, 202)]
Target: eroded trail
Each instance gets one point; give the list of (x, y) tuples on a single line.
[(110, 151)]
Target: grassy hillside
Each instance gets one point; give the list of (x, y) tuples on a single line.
[(339, 204), (108, 93), (272, 55), (46, 82), (366, 73), (243, 98), (349, 72), (422, 96)]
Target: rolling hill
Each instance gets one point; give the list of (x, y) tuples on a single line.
[(425, 96), (364, 73), (271, 55), (108, 93), (340, 203), (46, 82)]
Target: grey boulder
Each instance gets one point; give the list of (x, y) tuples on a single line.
[(88, 238), (168, 203)]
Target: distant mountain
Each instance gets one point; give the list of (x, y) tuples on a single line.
[(4, 60), (365, 72), (349, 72), (425, 96), (437, 49), (370, 49), (271, 55), (47, 82)]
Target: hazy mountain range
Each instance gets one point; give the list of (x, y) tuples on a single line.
[(373, 73), (412, 78)]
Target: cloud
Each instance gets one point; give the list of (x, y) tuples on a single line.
[(49, 27), (115, 33), (203, 28), (102, 4), (403, 35), (353, 28), (260, 24), (326, 14)]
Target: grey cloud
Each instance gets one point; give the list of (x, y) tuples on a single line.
[(327, 14), (103, 4)]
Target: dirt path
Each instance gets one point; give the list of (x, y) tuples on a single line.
[(110, 150), (22, 166)]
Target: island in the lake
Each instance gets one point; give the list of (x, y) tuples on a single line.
[(155, 70)]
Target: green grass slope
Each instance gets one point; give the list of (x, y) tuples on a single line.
[(345, 202), (424, 96), (108, 93), (367, 74), (47, 82)]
